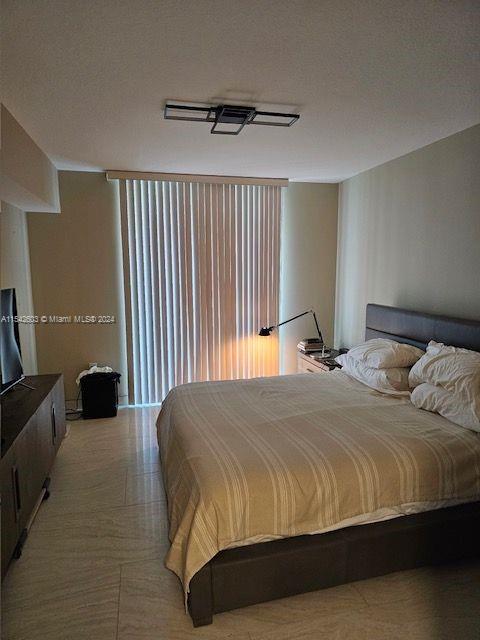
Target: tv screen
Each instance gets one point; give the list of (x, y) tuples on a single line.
[(10, 354)]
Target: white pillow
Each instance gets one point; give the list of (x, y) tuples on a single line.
[(447, 404), (393, 380), (454, 369), (380, 353)]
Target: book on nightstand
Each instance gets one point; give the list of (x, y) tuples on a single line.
[(313, 345)]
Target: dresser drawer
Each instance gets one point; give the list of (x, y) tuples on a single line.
[(307, 365)]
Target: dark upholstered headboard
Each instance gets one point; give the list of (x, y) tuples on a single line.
[(414, 327)]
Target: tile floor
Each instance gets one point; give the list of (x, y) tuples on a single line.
[(92, 567)]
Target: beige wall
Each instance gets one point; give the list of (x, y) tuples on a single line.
[(409, 235), (308, 260), (15, 272), (28, 179), (76, 270)]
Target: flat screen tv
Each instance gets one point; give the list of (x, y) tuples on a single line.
[(10, 354)]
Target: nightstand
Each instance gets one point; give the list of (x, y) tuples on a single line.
[(314, 363)]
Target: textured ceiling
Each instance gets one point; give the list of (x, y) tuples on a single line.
[(372, 79)]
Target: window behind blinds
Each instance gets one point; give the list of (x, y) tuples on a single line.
[(202, 276)]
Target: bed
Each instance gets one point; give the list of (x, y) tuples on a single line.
[(277, 486)]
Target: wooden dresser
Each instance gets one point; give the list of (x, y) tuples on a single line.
[(33, 427)]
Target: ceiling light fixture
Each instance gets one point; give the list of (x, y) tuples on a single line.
[(228, 119)]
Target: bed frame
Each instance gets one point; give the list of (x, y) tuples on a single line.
[(257, 573)]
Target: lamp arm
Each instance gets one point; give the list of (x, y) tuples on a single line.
[(318, 328), (294, 318), (299, 316)]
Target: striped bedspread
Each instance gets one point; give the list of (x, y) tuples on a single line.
[(253, 460)]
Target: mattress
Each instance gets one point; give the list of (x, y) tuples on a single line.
[(248, 461)]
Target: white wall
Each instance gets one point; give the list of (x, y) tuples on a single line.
[(307, 271), (28, 179), (15, 272), (409, 235)]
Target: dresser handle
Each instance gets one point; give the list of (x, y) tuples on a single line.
[(54, 425), (16, 491)]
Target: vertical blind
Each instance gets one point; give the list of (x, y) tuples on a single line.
[(201, 277)]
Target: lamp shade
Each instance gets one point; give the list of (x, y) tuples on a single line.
[(265, 331)]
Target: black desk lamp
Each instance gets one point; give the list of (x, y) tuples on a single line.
[(266, 331)]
